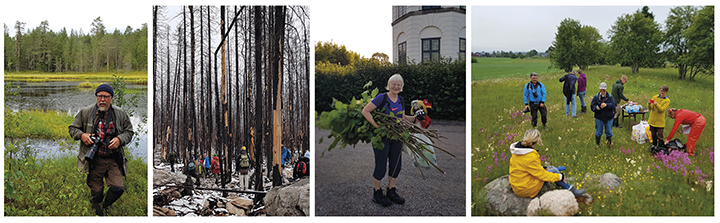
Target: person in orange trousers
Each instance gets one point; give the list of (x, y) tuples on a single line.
[(687, 117)]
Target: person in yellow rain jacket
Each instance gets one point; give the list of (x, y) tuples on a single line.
[(527, 175), (658, 105)]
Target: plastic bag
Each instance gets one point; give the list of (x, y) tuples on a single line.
[(428, 151), (639, 133)]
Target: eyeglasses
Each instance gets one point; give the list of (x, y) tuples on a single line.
[(104, 96)]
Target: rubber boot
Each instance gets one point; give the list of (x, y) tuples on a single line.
[(95, 199), (576, 192), (616, 124), (609, 141), (112, 195), (597, 141)]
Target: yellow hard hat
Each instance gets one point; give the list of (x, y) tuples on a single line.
[(243, 147)]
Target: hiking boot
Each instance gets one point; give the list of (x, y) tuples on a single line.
[(576, 192), (394, 197), (98, 209), (583, 109), (609, 142), (380, 198), (597, 141)]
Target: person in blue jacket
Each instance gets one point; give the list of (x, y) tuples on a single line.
[(603, 104), (535, 96)]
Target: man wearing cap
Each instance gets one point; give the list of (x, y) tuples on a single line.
[(603, 104), (535, 95), (111, 125)]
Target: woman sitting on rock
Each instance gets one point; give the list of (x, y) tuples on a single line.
[(527, 175)]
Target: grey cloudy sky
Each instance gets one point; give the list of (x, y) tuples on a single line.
[(523, 28)]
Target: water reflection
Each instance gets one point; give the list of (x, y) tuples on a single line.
[(67, 97)]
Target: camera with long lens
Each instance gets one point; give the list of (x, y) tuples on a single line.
[(93, 148)]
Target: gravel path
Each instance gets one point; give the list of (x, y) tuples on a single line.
[(343, 179)]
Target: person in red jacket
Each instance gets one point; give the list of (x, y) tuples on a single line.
[(215, 165), (687, 117)]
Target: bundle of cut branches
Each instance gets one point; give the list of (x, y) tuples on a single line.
[(348, 126)]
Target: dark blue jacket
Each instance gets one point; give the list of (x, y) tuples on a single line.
[(569, 86), (604, 114)]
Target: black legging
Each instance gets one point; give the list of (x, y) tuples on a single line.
[(657, 136), (390, 153)]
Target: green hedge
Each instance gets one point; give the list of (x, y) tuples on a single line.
[(445, 80)]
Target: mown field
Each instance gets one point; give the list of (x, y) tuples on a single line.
[(136, 77), (490, 68), (678, 185)]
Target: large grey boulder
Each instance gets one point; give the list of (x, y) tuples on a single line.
[(609, 180), (161, 177), (501, 200), (291, 200), (555, 203)]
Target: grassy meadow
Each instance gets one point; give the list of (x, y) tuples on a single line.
[(33, 188), (651, 187), (37, 124), (136, 77), (490, 68)]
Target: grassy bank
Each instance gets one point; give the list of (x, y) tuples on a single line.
[(490, 68), (673, 186), (136, 77), (33, 188), (46, 124)]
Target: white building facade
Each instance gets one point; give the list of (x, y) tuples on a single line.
[(427, 33)]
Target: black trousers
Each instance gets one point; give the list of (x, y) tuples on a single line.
[(534, 108)]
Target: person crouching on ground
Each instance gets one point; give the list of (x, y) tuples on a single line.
[(687, 117), (391, 153), (527, 175), (658, 105), (603, 104), (113, 128)]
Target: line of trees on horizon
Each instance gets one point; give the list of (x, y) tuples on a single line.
[(41, 49), (636, 40)]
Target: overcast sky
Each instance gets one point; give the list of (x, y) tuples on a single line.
[(75, 15), (523, 28), (362, 28)]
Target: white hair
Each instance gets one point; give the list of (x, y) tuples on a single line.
[(393, 78)]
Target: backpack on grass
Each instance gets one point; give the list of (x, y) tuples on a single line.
[(666, 149)]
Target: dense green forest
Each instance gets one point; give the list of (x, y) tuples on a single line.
[(41, 49)]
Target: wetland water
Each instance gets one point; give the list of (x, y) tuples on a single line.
[(68, 98)]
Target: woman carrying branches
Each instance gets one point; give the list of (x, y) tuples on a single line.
[(393, 105)]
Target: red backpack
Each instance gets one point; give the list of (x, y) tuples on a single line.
[(302, 168)]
